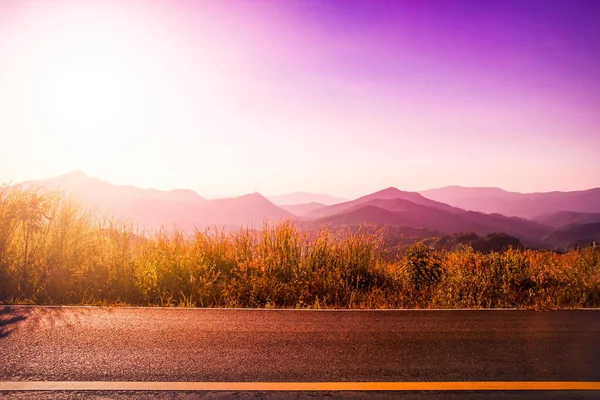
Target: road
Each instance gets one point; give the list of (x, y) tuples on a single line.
[(203, 345)]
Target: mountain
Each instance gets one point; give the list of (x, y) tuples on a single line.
[(302, 210), (152, 209), (572, 236), (92, 189), (304, 198), (526, 205), (386, 194), (372, 215), (237, 211), (561, 219), (434, 216), (455, 194), (402, 213)]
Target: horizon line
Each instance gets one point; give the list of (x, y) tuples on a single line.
[(213, 196)]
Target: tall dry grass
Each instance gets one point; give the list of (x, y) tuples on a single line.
[(54, 250)]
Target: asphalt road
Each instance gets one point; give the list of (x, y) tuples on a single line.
[(167, 345)]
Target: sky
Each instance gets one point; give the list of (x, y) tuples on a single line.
[(342, 97)]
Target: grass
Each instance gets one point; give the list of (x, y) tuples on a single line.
[(54, 250)]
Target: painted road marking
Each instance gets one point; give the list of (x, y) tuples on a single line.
[(294, 386)]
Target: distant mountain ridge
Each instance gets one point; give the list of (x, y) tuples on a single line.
[(303, 209), (572, 236), (407, 215), (304, 198), (384, 209), (561, 219), (90, 188), (526, 205), (389, 193), (152, 209)]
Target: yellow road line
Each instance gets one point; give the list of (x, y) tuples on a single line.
[(295, 386)]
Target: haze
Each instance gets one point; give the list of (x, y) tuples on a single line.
[(338, 97)]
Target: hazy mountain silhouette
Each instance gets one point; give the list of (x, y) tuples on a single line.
[(399, 211), (386, 194), (527, 205), (88, 188), (563, 218), (304, 198), (152, 209), (367, 213), (442, 218), (575, 235), (242, 210), (302, 210)]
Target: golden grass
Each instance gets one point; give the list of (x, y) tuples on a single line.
[(54, 250)]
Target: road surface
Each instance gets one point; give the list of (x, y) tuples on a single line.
[(104, 345)]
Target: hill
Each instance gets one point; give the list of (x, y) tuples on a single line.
[(573, 236), (304, 198), (386, 194), (526, 205), (302, 210), (153, 209), (236, 211), (441, 218), (561, 219), (392, 208), (88, 188)]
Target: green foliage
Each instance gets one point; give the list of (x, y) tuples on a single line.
[(54, 250)]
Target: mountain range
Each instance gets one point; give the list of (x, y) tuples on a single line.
[(548, 220), (526, 205), (304, 198), (391, 207), (152, 209)]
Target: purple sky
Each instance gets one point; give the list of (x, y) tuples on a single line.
[(344, 97)]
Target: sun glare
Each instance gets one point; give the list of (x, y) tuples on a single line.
[(94, 84), (270, 97), (86, 95)]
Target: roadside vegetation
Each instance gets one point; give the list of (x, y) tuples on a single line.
[(54, 250)]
